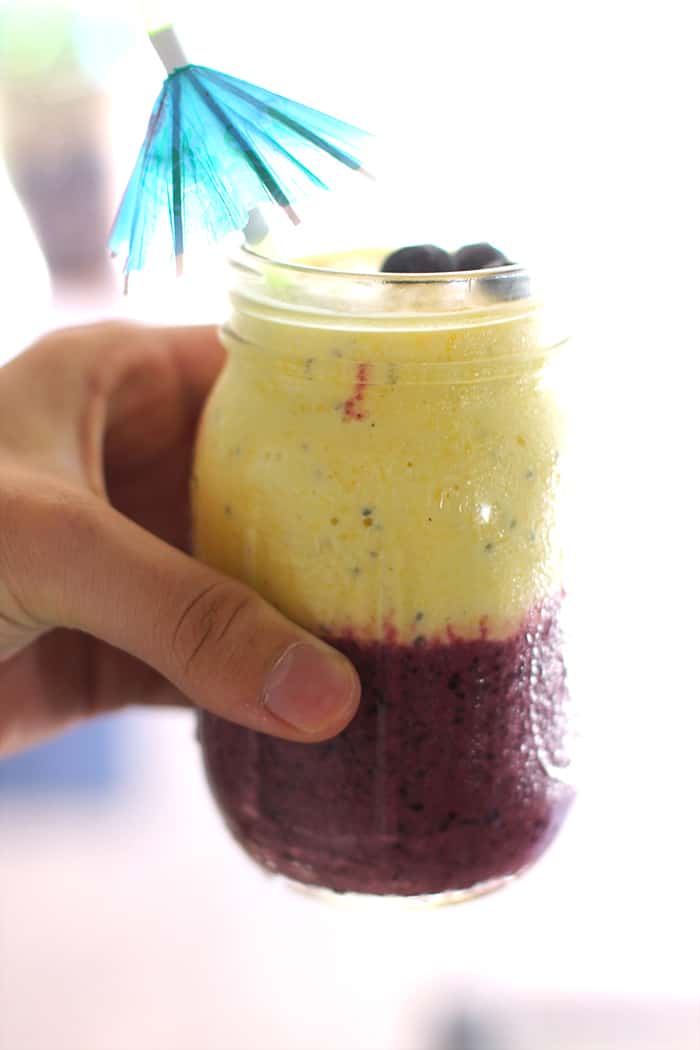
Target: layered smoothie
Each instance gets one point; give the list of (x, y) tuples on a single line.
[(381, 460)]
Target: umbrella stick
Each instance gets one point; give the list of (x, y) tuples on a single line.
[(170, 51)]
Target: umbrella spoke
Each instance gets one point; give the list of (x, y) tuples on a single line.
[(178, 235), (229, 84), (278, 148), (251, 154)]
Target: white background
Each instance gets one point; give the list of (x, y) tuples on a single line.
[(566, 130)]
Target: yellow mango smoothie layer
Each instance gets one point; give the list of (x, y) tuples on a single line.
[(393, 476)]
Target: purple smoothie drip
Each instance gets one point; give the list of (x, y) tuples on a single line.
[(447, 778)]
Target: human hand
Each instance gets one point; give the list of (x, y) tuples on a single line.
[(100, 606)]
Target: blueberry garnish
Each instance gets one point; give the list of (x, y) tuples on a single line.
[(418, 258), (428, 258), (502, 287), (478, 257)]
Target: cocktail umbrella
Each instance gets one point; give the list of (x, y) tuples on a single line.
[(216, 149)]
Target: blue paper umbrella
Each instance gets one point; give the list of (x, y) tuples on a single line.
[(216, 149)]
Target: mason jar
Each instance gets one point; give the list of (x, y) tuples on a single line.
[(381, 459)]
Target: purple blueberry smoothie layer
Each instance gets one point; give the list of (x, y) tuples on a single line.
[(448, 777)]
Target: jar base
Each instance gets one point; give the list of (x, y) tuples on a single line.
[(421, 902)]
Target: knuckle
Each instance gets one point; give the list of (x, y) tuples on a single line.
[(213, 628)]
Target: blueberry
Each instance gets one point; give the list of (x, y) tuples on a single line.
[(419, 258), (502, 287), (478, 257)]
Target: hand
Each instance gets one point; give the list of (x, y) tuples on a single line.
[(100, 606)]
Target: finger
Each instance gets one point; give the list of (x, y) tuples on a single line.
[(176, 365), (108, 379), (152, 406), (199, 355), (67, 676), (212, 637)]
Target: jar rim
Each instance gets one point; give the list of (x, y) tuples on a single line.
[(442, 276), (308, 292)]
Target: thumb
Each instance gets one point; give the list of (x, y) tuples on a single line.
[(224, 647)]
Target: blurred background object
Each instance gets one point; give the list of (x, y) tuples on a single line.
[(55, 129), (83, 762), (24, 277), (128, 919)]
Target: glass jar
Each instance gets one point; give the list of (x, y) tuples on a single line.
[(381, 459)]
